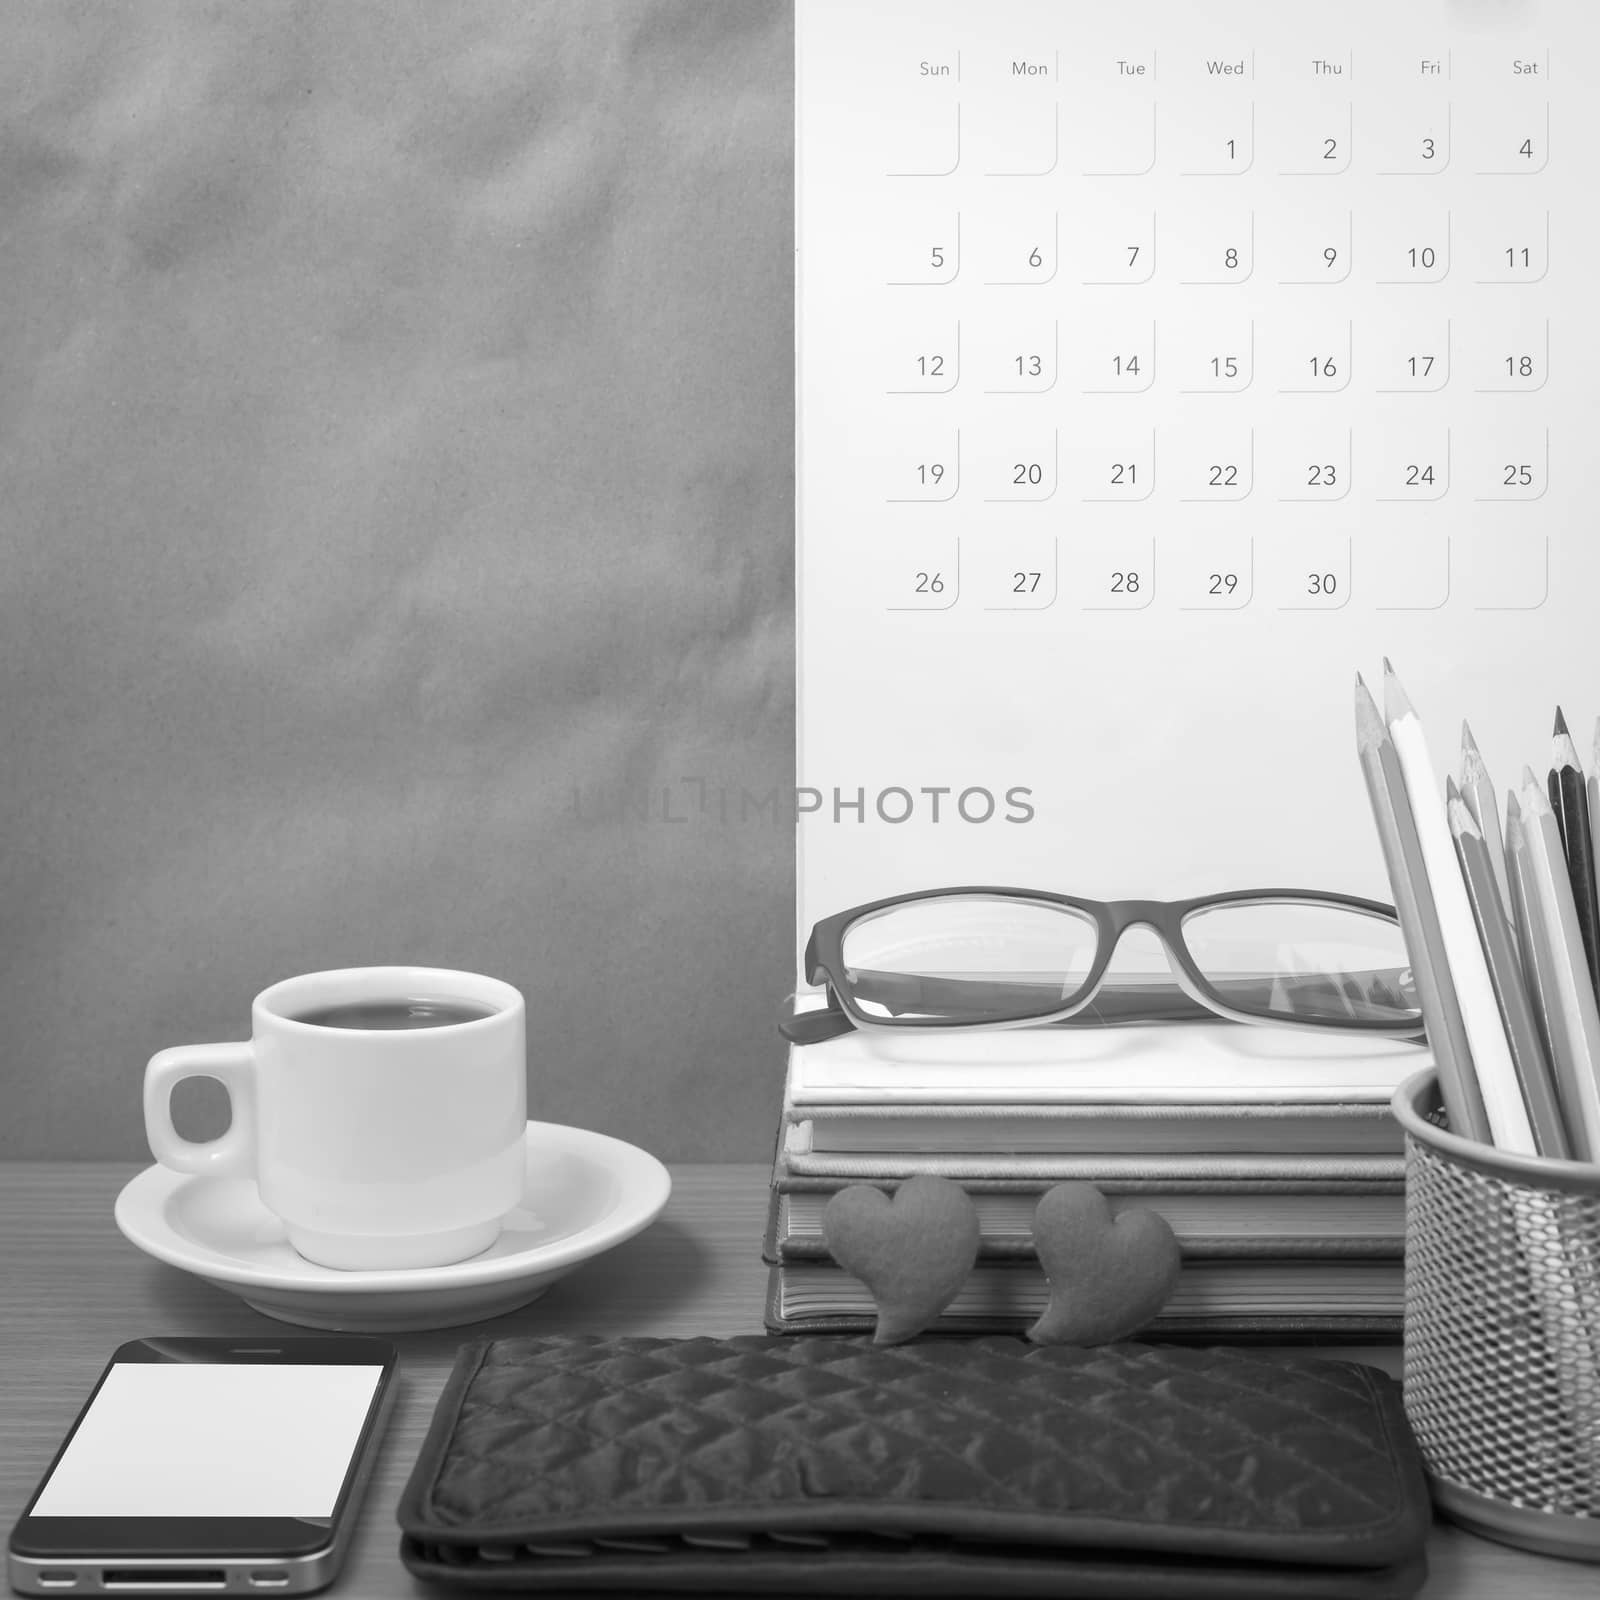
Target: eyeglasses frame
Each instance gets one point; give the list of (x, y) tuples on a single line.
[(825, 965)]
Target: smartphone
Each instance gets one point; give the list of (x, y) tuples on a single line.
[(222, 1464)]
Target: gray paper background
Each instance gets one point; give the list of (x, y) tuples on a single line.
[(395, 538)]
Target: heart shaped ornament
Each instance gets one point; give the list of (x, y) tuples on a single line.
[(1108, 1275), (913, 1252)]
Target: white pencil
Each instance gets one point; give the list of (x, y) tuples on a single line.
[(1480, 1015), (1573, 1023), (1478, 792), (1419, 921)]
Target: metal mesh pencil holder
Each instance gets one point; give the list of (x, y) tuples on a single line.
[(1502, 1332)]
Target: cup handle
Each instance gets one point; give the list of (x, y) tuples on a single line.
[(233, 1065)]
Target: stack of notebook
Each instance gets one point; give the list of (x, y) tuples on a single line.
[(1271, 1152)]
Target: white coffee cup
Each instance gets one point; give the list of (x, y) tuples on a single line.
[(393, 1147)]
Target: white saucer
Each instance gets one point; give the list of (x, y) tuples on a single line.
[(584, 1194)]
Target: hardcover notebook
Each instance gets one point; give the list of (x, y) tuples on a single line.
[(1160, 365), (1214, 1297), (1273, 1223), (1179, 1064), (1075, 1130)]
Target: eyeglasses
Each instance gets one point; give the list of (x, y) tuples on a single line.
[(1007, 958)]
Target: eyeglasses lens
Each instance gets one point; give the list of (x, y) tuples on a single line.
[(1303, 961), (967, 958)]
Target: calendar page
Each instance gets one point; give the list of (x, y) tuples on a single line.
[(1161, 365)]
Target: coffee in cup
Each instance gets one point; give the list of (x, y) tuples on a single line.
[(380, 1110)]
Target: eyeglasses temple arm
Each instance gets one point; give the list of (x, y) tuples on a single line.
[(815, 1027)]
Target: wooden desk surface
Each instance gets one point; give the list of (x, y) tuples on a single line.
[(72, 1289)]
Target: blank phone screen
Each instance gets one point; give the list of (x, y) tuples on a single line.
[(212, 1439)]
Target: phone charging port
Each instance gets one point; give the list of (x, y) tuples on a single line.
[(49, 1579), (164, 1579), (270, 1578)]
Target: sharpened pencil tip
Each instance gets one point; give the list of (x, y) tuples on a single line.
[(1514, 830), (1563, 752), (1396, 702), (1561, 724), (1474, 774), (1370, 731), (1462, 822), (1513, 809), (1451, 792), (1535, 802)]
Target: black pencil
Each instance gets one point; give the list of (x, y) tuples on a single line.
[(1569, 799)]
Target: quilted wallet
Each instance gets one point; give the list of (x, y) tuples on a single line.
[(831, 1466)]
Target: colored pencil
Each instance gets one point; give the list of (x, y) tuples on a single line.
[(1538, 964), (1419, 921), (1486, 1033), (1572, 1018), (1478, 791), (1505, 973), (1569, 799), (1594, 804), (1563, 1279)]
